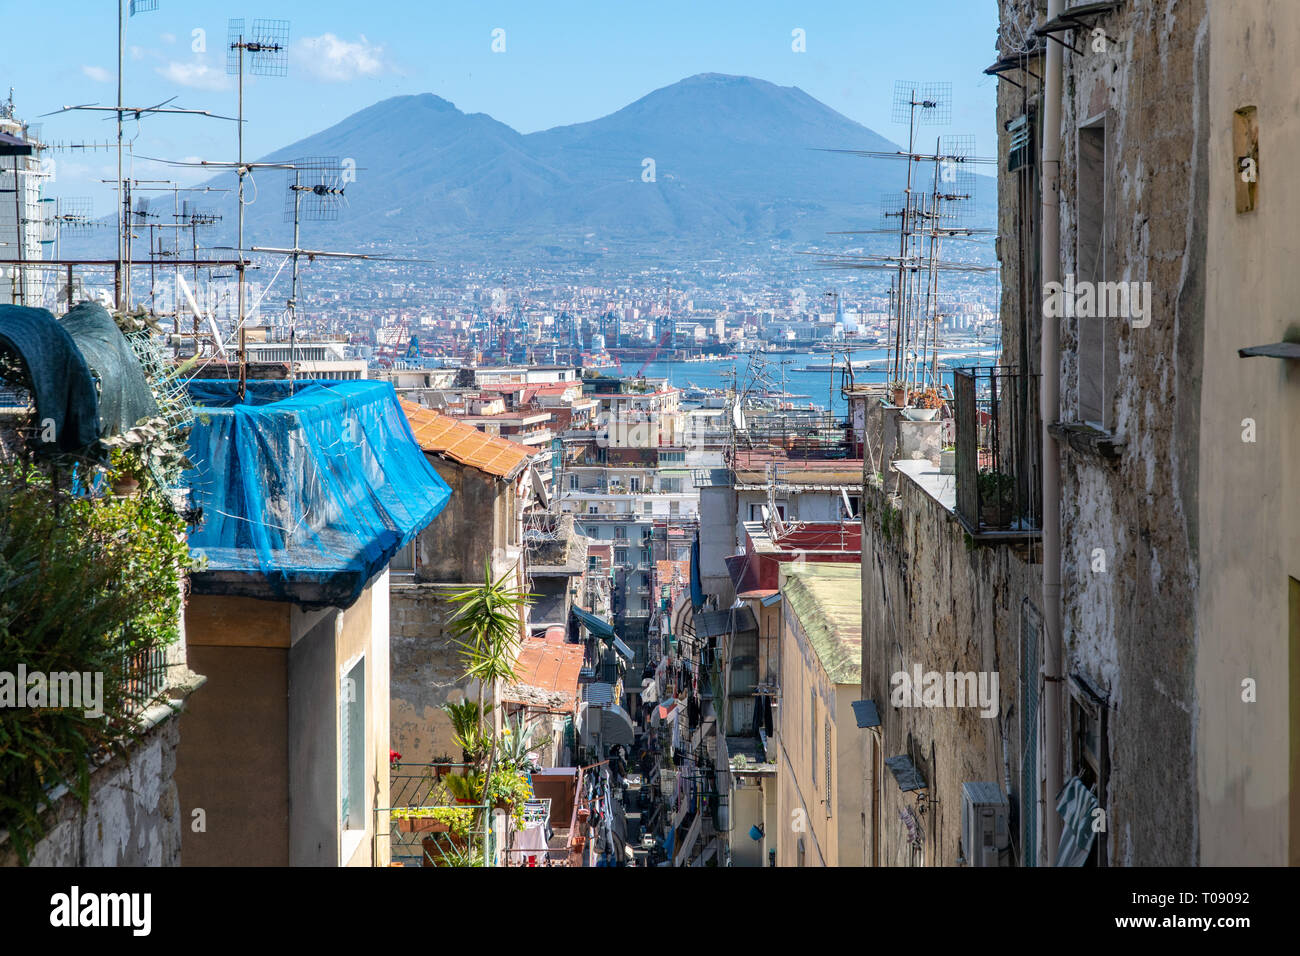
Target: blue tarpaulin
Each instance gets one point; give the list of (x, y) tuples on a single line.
[(304, 496), (62, 386)]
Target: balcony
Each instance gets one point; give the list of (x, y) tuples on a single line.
[(426, 826), (998, 452)]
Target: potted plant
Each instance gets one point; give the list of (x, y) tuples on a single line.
[(924, 405), (442, 765), (898, 393)]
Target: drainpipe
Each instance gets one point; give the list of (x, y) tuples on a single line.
[(1050, 409)]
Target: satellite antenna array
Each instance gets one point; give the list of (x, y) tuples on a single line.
[(933, 100), (262, 51), (314, 190)]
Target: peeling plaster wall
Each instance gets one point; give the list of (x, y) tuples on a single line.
[(132, 818), (1131, 630), (931, 599), (426, 672)]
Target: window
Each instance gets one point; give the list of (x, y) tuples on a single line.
[(634, 484), (812, 734), (573, 482), (674, 507), (672, 457), (647, 507), (352, 747), (1098, 343), (620, 556), (620, 532), (829, 801), (1089, 749), (592, 510), (593, 563)]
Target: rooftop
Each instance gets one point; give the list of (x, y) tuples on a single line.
[(461, 442), (827, 600), (548, 675)]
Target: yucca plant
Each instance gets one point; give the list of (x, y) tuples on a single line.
[(486, 625)]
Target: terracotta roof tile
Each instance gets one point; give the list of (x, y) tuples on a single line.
[(461, 442), (549, 667)]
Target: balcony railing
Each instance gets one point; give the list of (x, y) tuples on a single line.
[(423, 828), (145, 677), (999, 452)]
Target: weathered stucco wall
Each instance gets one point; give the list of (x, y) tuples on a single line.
[(1130, 629), (462, 537), (1248, 508), (931, 598), (133, 816), (426, 672)]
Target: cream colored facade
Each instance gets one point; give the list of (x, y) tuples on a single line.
[(821, 773), (1248, 751), (262, 762)]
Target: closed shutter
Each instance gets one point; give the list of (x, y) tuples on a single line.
[(829, 798)]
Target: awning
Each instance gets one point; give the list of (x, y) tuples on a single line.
[(598, 693), (595, 625), (623, 649), (718, 623), (1076, 805), (771, 599), (866, 713), (616, 727)]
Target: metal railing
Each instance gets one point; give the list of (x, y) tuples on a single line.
[(144, 677), (998, 450), (425, 826)]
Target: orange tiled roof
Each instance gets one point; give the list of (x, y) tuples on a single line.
[(548, 667), (461, 442)]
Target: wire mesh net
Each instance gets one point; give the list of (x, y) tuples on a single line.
[(313, 489)]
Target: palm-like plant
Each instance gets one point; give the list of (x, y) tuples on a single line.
[(467, 729), (517, 742), (486, 626)]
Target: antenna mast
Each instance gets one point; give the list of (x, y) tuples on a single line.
[(267, 48)]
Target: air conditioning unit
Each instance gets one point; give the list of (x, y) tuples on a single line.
[(985, 836)]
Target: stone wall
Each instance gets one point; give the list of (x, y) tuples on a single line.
[(1130, 629), (426, 672), (933, 598), (133, 816)]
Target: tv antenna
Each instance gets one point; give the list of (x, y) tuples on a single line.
[(315, 192), (262, 51)]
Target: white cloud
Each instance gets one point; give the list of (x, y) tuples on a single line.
[(329, 58), (197, 73), (167, 37), (97, 73)]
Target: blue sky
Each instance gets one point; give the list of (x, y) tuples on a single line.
[(563, 62)]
